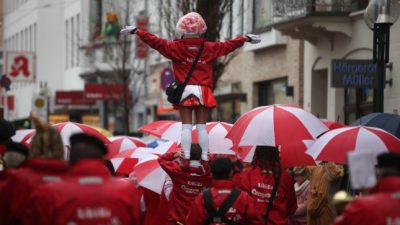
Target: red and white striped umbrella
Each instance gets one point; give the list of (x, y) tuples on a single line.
[(23, 136), (121, 143), (67, 129), (332, 125), (164, 129), (275, 125), (218, 144), (125, 161), (149, 173), (334, 145), (293, 154)]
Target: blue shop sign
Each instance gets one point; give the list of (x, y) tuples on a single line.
[(354, 73)]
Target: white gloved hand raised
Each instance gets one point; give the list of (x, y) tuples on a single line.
[(252, 38), (128, 30)]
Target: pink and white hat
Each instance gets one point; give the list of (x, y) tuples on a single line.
[(191, 24)]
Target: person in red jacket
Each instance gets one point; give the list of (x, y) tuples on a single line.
[(197, 96), (188, 181), (45, 164), (89, 195), (241, 211), (259, 181), (382, 205)]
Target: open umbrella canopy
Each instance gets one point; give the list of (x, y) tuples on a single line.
[(334, 145), (23, 136), (164, 129), (67, 129), (385, 121), (121, 143), (275, 125), (332, 125), (149, 173)]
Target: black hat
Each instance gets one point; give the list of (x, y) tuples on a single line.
[(89, 140), (17, 147), (7, 130), (389, 160)]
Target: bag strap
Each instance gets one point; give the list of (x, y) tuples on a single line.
[(273, 194), (219, 216), (193, 65)]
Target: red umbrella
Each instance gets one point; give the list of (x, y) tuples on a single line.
[(164, 129), (332, 125), (149, 173), (275, 125), (218, 144), (121, 143), (125, 161), (23, 136), (334, 145), (293, 154), (67, 129)]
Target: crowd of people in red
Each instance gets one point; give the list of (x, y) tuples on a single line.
[(38, 187)]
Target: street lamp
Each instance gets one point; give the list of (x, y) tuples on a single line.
[(379, 16)]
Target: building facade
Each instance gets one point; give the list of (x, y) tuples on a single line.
[(335, 31)]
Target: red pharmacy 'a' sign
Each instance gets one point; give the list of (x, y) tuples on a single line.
[(20, 66)]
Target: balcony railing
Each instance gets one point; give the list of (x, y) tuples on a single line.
[(286, 10)]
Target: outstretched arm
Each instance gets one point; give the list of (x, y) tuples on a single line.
[(163, 46), (224, 48)]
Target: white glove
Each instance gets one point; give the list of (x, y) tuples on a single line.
[(128, 30), (252, 38)]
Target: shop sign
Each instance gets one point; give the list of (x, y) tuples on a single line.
[(354, 73), (104, 91), (73, 98), (20, 66), (167, 76)]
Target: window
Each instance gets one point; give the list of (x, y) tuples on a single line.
[(72, 37), (262, 16), (66, 44), (77, 42), (358, 102), (272, 92)]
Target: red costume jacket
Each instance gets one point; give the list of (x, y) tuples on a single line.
[(186, 186), (241, 212), (382, 207), (182, 52), (23, 181), (259, 185), (89, 195)]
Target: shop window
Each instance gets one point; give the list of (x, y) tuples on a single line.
[(272, 92), (358, 102)]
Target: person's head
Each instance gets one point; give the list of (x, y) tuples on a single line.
[(300, 174), (7, 130), (388, 165), (84, 146), (195, 151), (47, 142), (15, 154), (191, 25), (221, 168), (267, 157)]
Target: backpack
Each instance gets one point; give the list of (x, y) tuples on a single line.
[(215, 216)]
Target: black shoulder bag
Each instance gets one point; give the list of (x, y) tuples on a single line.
[(273, 194), (175, 89), (215, 216)]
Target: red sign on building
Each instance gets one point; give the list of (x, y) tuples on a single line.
[(10, 102), (73, 98), (20, 66), (142, 49), (104, 91)]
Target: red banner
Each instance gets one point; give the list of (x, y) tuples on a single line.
[(73, 98), (104, 91), (10, 102), (142, 49)]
